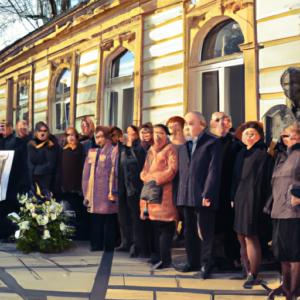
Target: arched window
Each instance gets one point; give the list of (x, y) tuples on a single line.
[(22, 108), (222, 40), (120, 91), (123, 65), (62, 101)]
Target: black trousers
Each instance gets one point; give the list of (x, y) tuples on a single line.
[(199, 252), (125, 218), (81, 221), (103, 231), (166, 234), (133, 229), (224, 225)]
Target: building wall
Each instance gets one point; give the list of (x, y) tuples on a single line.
[(86, 45), (163, 37), (278, 29)]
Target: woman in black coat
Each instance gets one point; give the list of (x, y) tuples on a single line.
[(251, 188), (72, 168), (44, 159), (131, 162)]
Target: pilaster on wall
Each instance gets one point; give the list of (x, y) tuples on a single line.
[(205, 16), (9, 100)]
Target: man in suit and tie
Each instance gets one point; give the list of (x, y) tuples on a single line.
[(197, 197)]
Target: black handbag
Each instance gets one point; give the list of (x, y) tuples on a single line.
[(152, 193)]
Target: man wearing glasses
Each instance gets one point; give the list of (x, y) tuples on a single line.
[(220, 125)]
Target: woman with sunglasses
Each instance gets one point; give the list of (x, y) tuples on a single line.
[(44, 159), (251, 188), (286, 216)]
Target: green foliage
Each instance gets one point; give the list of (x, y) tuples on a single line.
[(42, 226)]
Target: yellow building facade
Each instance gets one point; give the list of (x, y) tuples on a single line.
[(130, 62)]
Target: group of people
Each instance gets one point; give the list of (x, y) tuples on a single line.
[(143, 183)]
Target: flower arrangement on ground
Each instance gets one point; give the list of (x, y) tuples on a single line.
[(42, 225)]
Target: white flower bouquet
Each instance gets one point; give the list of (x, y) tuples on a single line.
[(42, 224)]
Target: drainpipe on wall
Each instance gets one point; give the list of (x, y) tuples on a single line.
[(257, 48)]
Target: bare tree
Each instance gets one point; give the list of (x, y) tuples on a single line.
[(29, 14)]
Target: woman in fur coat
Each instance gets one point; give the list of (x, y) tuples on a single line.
[(99, 184), (156, 199)]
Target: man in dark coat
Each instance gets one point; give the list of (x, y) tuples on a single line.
[(220, 125), (131, 162), (45, 159), (199, 174), (22, 139)]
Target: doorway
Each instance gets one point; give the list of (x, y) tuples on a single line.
[(220, 87)]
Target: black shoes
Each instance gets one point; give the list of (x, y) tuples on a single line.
[(156, 266), (187, 268), (252, 281), (206, 270)]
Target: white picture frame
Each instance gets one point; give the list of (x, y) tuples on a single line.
[(6, 160)]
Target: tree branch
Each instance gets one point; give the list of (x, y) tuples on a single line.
[(53, 7)]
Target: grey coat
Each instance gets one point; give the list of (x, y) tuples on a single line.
[(284, 176)]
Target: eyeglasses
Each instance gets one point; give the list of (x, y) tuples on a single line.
[(285, 136), (218, 119)]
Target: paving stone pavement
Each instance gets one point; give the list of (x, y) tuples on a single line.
[(71, 275)]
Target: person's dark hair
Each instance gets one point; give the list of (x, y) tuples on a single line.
[(147, 125), (104, 129), (115, 128), (39, 125), (9, 124), (164, 127), (255, 126), (135, 129)]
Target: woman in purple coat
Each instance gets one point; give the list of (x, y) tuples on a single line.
[(99, 184)]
